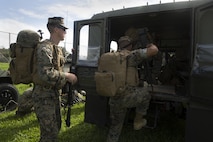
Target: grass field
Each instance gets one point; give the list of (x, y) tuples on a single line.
[(3, 66), (169, 128), (25, 129)]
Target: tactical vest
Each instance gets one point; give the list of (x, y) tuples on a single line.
[(58, 61), (58, 58)]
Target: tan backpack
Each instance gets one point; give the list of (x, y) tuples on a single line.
[(111, 75), (22, 54)]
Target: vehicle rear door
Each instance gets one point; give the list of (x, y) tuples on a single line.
[(89, 44)]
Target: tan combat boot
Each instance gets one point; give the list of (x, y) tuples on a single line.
[(139, 121)]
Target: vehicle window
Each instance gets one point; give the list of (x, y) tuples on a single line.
[(83, 45), (89, 44)]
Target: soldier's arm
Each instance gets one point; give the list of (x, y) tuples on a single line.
[(151, 50), (70, 77), (144, 53)]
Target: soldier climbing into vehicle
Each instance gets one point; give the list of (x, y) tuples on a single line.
[(133, 96)]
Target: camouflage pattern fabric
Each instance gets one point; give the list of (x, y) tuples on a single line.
[(25, 102), (46, 95), (133, 97), (47, 109), (50, 61)]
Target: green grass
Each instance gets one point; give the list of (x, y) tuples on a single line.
[(25, 129), (169, 128), (4, 66)]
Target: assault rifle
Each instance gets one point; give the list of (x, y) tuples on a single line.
[(68, 88)]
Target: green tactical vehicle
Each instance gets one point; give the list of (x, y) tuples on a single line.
[(183, 75), (8, 93)]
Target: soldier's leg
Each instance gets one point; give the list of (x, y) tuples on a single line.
[(137, 97), (117, 116), (141, 109), (45, 111), (143, 100)]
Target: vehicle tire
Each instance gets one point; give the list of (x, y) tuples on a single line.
[(8, 97)]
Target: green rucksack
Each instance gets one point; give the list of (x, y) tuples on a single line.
[(22, 54)]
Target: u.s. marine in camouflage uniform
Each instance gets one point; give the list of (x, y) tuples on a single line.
[(48, 79), (133, 96)]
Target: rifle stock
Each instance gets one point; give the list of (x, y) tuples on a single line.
[(69, 103)]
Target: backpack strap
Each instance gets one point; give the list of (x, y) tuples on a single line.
[(54, 53), (126, 54), (55, 57)]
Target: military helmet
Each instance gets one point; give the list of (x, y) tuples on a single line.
[(27, 38), (132, 33)]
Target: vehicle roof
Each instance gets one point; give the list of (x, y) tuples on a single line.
[(151, 8)]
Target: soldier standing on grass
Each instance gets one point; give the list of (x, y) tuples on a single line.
[(133, 96), (49, 79)]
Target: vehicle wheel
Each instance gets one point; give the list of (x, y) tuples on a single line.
[(8, 97)]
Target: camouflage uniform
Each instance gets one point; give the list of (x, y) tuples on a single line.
[(46, 91), (132, 97), (25, 102)]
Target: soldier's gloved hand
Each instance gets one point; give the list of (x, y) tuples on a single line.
[(70, 77)]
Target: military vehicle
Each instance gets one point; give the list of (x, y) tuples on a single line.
[(183, 33), (8, 93)]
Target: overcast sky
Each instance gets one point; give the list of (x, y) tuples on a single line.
[(17, 15)]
